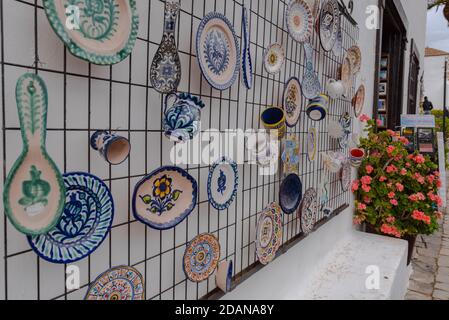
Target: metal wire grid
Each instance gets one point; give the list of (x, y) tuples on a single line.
[(233, 108)]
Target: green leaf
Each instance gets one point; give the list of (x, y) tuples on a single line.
[(146, 199), (25, 202), (170, 206), (176, 194)]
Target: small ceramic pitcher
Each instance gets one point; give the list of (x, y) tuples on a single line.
[(273, 119), (182, 118), (113, 148), (335, 88)]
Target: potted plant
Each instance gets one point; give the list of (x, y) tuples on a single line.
[(396, 193)]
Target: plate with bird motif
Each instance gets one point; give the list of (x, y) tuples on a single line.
[(274, 58), (355, 57), (222, 183), (201, 257), (308, 210), (218, 51), (329, 24), (84, 224), (269, 233), (299, 20), (292, 101)]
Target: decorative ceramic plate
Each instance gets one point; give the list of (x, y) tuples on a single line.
[(346, 123), (290, 193), (268, 233), (119, 283), (247, 64), (346, 75), (312, 144), (359, 101), (218, 51), (201, 257), (308, 210), (299, 20), (85, 222), (274, 58), (355, 56), (329, 24), (165, 197), (105, 33), (314, 6), (290, 154), (346, 176), (292, 101), (337, 49), (222, 183)]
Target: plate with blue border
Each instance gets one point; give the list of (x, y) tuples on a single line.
[(247, 65), (222, 183)]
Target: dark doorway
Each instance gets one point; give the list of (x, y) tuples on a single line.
[(412, 102)]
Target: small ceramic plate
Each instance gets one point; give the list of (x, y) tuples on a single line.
[(290, 193), (329, 23), (355, 56), (345, 176), (308, 211), (268, 233), (299, 20), (218, 51), (85, 222), (165, 197), (247, 64), (119, 283), (346, 75), (201, 257), (274, 58), (292, 101), (105, 33), (312, 144), (359, 101), (222, 183)]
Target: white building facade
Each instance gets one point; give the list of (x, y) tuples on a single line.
[(434, 77)]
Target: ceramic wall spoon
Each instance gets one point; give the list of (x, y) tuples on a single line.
[(311, 86), (165, 72), (34, 192)]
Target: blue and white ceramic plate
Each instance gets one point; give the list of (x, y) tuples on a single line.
[(201, 257), (292, 101), (346, 124), (329, 24), (223, 183), (84, 224), (247, 64), (299, 20), (290, 193), (308, 211), (164, 198), (218, 51), (274, 58)]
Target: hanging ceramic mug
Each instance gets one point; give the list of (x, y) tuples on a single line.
[(356, 156), (335, 88), (182, 118), (317, 108), (223, 277), (273, 118), (113, 148)]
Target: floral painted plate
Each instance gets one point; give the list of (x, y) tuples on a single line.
[(274, 58), (105, 33), (312, 144), (299, 20), (345, 176), (308, 211), (247, 64), (268, 233), (292, 101), (218, 51), (222, 183), (85, 222), (329, 24), (201, 257), (120, 283), (359, 101), (165, 197), (355, 57)]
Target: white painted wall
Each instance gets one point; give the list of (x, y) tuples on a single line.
[(433, 81)]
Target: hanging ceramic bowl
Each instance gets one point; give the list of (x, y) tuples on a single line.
[(218, 51), (119, 283), (312, 144), (222, 183), (346, 75), (358, 101), (223, 278), (247, 64), (317, 108), (164, 198), (84, 224), (201, 257), (292, 101), (105, 32), (308, 211), (345, 176), (290, 193), (34, 192), (274, 58), (329, 23), (355, 56), (268, 233), (299, 20), (273, 119)]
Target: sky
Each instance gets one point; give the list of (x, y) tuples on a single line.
[(437, 30)]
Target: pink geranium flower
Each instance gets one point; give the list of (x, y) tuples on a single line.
[(394, 202), (364, 118), (400, 187), (391, 219), (390, 149), (403, 172), (369, 169), (366, 188), (361, 206), (391, 195), (419, 159), (366, 180), (390, 230), (355, 185), (383, 178)]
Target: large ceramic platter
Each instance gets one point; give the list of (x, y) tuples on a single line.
[(299, 20), (222, 183), (290, 193), (105, 33), (268, 233), (292, 101), (119, 283), (359, 101), (312, 144), (218, 51), (355, 57), (85, 222), (329, 24), (201, 257), (274, 58), (247, 64), (165, 197), (308, 210), (345, 176)]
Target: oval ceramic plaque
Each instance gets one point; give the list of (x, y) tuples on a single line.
[(312, 144), (329, 24), (222, 183), (164, 198), (274, 58), (201, 257), (218, 51), (308, 211), (84, 224), (247, 64), (268, 233), (119, 283), (346, 176), (346, 75), (299, 20), (105, 33), (359, 101), (355, 57), (292, 101)]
